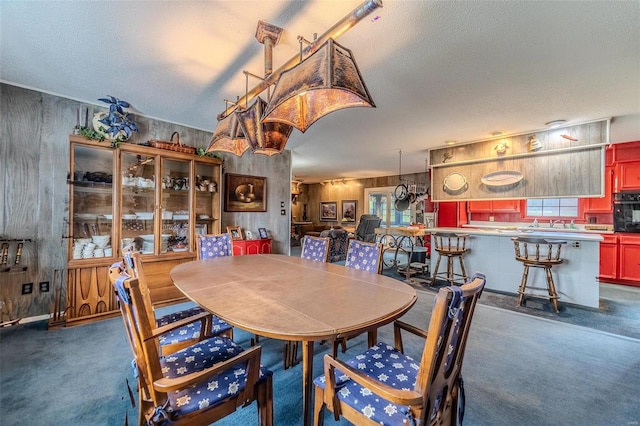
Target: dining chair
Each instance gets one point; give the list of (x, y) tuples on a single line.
[(315, 248), (196, 385), (363, 256), (214, 245), (179, 338), (383, 385)]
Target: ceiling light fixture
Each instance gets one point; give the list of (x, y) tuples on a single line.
[(555, 123), (450, 142), (228, 136), (339, 63), (497, 133), (326, 81)]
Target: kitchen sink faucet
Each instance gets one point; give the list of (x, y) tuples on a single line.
[(553, 222)]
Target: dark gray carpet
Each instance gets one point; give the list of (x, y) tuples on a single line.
[(519, 370)]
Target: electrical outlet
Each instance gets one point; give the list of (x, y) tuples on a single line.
[(283, 212), (27, 288), (44, 286), (575, 244), (491, 218)]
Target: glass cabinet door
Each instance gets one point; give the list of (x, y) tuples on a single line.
[(138, 203), (176, 183), (207, 198), (91, 180)]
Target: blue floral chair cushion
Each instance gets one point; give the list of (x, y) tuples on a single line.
[(314, 248), (363, 256), (385, 364), (196, 358), (189, 331), (337, 244), (212, 246)]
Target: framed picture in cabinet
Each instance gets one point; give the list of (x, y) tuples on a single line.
[(328, 211), (245, 193)]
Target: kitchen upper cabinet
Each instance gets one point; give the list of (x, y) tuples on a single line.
[(494, 206), (604, 204), (627, 176)]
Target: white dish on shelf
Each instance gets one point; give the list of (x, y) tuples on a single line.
[(108, 216), (85, 216), (180, 249), (150, 237), (180, 216), (205, 216), (144, 215), (129, 216)]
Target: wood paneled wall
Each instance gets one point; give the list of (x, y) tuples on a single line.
[(313, 194), (34, 162)]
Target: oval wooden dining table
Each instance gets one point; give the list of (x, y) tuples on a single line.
[(294, 299)]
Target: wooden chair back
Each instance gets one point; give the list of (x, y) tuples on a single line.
[(364, 256), (450, 243), (144, 343), (315, 248), (538, 251), (437, 396), (214, 245)]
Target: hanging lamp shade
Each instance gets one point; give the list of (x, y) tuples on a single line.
[(263, 138), (228, 136), (326, 81)]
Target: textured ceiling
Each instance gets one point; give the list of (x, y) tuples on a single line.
[(437, 71)]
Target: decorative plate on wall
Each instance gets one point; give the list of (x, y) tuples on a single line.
[(502, 180), (455, 183)]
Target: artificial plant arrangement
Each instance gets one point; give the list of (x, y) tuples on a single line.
[(117, 123)]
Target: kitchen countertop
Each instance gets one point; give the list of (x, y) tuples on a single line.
[(492, 252)]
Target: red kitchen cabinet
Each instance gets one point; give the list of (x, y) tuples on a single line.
[(505, 206), (604, 204), (608, 258), (494, 206), (630, 258), (246, 247), (479, 207), (627, 176)]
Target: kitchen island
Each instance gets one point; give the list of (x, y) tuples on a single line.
[(492, 253)]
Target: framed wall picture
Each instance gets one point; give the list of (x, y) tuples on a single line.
[(245, 193), (235, 232), (263, 233), (329, 211), (349, 210)]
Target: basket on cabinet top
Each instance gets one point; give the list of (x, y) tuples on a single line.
[(172, 145)]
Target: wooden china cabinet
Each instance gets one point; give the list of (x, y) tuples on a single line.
[(153, 200)]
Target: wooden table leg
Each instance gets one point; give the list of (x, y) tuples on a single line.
[(307, 380), (372, 337)]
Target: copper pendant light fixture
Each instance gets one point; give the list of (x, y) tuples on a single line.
[(263, 138), (228, 137), (326, 81), (266, 127)]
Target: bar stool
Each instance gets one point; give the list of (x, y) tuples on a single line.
[(538, 253), (452, 245)]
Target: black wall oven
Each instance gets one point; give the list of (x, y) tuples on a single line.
[(626, 212)]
